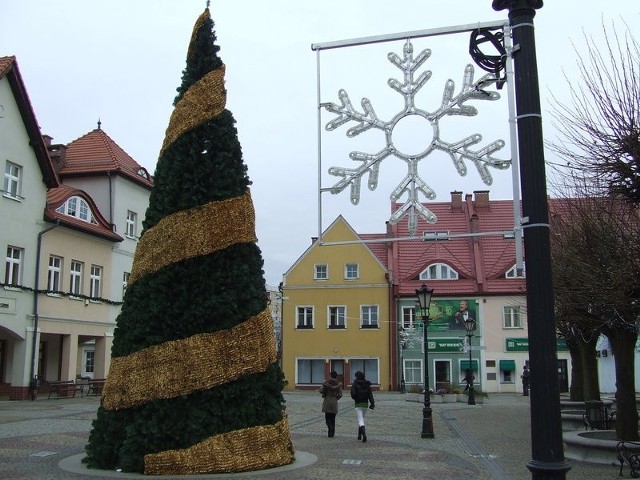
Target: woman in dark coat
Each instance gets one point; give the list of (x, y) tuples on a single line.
[(363, 396), (331, 391)]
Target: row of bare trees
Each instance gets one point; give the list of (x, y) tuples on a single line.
[(595, 221)]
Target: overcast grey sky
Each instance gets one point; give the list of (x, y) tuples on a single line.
[(121, 61)]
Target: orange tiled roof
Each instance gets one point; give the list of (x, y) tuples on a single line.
[(57, 196), (95, 153)]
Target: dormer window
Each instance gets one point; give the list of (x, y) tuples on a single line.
[(143, 173), (513, 273), (78, 208), (438, 271)]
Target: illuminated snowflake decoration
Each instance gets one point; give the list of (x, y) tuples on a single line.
[(459, 151)]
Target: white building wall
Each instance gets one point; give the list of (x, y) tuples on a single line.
[(127, 196), (21, 221), (494, 345)]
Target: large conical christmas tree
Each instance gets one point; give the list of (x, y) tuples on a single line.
[(194, 386)]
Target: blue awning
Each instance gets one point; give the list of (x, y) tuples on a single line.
[(507, 365)]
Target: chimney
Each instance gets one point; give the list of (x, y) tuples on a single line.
[(474, 223), (47, 140), (57, 154), (481, 198), (456, 201)]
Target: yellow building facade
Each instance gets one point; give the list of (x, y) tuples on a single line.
[(336, 312)]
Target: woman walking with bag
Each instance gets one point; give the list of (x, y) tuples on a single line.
[(363, 396), (331, 391)]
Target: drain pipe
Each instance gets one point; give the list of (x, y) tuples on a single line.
[(34, 352)]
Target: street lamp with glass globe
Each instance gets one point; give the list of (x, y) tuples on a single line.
[(424, 300), (470, 326)]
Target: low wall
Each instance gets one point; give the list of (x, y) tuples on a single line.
[(594, 446)]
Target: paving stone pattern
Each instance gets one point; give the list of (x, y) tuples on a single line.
[(489, 441)]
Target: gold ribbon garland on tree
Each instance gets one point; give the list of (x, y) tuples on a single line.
[(195, 232), (248, 449), (200, 362)]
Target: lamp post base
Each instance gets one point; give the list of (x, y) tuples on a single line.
[(427, 422), (472, 396)]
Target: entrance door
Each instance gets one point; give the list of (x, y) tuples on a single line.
[(338, 367), (443, 374), (88, 362), (563, 376)]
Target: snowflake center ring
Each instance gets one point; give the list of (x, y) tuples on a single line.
[(408, 135)]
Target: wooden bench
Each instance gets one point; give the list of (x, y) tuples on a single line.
[(64, 389), (629, 452), (95, 386)]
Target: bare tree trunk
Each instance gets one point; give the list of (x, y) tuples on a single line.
[(584, 370), (623, 344), (591, 384), (576, 389)]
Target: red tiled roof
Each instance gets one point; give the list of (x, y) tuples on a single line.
[(5, 63), (379, 249), (480, 261), (95, 153), (57, 196)]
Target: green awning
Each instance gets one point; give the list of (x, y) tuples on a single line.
[(464, 364), (507, 365)]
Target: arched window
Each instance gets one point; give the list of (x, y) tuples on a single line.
[(77, 207), (438, 271), (513, 273)]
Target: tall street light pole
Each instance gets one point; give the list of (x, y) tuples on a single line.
[(424, 299), (470, 326), (546, 427)]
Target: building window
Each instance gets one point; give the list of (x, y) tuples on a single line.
[(125, 282), (13, 270), (90, 360), (337, 317), (75, 278), (408, 317), (12, 180), (369, 316), (305, 317), (132, 221), (310, 371), (413, 371), (95, 282), (55, 271), (369, 366), (513, 273), (351, 271), (439, 271), (511, 317), (321, 272), (78, 208)]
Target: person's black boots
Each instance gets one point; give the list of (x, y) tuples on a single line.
[(364, 435), (360, 431)]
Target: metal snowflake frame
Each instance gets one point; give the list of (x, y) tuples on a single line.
[(412, 184)]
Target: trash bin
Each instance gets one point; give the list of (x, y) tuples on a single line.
[(594, 414)]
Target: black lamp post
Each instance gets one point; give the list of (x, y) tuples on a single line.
[(546, 427), (470, 326), (424, 299)]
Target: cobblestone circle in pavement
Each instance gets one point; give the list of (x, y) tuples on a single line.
[(484, 441)]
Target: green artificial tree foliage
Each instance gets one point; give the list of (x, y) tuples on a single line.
[(205, 294)]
